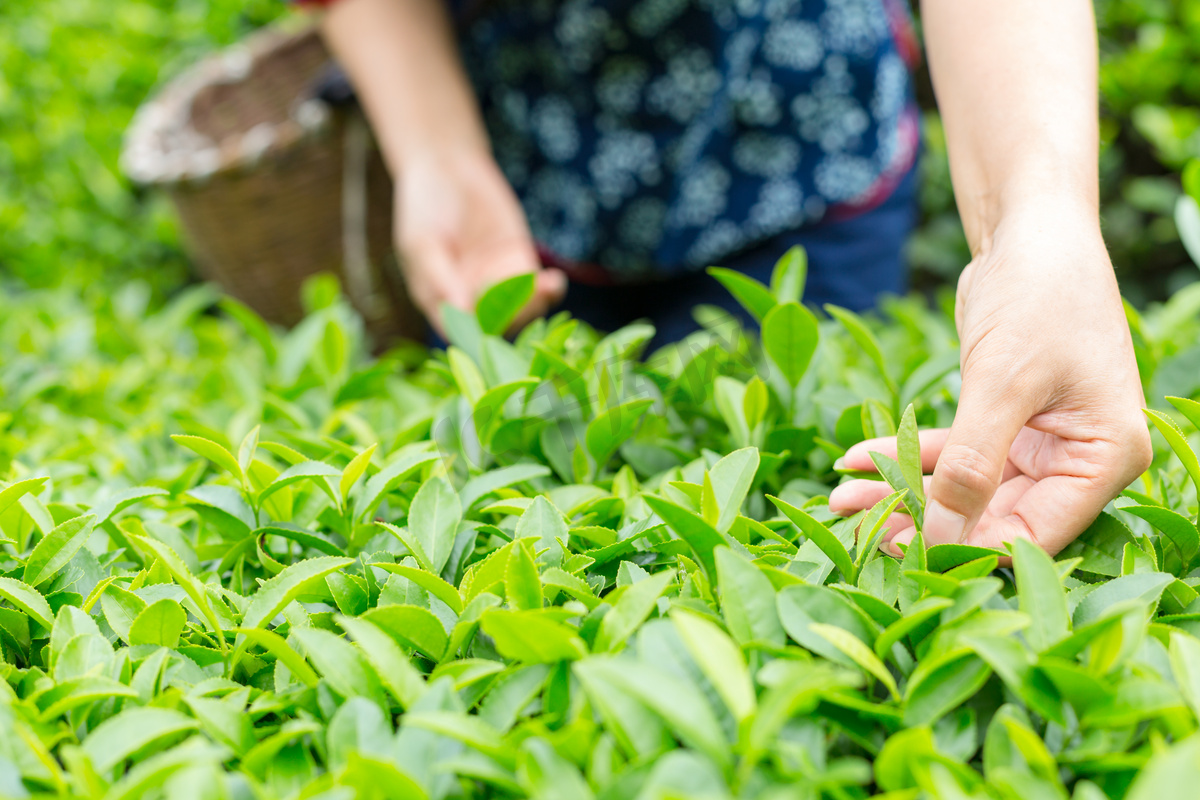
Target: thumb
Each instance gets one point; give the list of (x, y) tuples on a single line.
[(971, 465), (551, 286)]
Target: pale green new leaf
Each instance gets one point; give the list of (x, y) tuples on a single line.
[(56, 549), (789, 336)]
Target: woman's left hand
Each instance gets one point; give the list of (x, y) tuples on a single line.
[(1049, 426)]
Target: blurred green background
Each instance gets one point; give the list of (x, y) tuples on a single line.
[(72, 72)]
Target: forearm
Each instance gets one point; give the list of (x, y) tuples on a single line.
[(401, 57), (1016, 85)]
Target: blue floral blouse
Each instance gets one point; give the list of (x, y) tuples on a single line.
[(656, 136)]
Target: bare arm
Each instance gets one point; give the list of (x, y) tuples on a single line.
[(403, 61), (1016, 85), (1048, 427)]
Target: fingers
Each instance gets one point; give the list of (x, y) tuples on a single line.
[(972, 462), (858, 495), (858, 457), (551, 286), (892, 546), (1052, 514), (1053, 511), (435, 275), (431, 278), (932, 441)]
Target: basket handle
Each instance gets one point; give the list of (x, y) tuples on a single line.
[(356, 259)]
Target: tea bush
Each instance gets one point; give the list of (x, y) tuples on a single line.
[(72, 73), (237, 562)]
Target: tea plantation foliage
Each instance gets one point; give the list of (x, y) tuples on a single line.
[(236, 562)]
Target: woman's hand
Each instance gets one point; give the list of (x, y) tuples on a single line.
[(1049, 426), (458, 225), (459, 228)]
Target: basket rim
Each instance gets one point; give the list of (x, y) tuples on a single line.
[(148, 159)]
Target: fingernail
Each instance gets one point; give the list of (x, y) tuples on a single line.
[(892, 545), (840, 463), (943, 526)]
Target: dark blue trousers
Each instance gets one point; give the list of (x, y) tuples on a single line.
[(851, 263)]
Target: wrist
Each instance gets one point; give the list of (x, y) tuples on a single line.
[(1042, 203), (408, 146)]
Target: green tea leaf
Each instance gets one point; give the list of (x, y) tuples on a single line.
[(753, 296), (492, 481), (488, 410), (121, 607), (316, 471), (277, 646), (277, 592), (395, 671), (340, 663), (500, 303), (859, 653), (1168, 772), (700, 536), (160, 623), (467, 377), (631, 610), (614, 427), (214, 453), (789, 275), (872, 529), (522, 584), (190, 583), (821, 536), (1185, 666), (802, 606), (470, 730), (131, 731), (56, 549), (106, 509), (720, 660), (413, 626), (916, 616), (789, 336), (27, 599), (433, 521), (1143, 587), (532, 637), (390, 477), (427, 581), (943, 688), (747, 600), (15, 491), (1179, 529), (908, 450), (679, 703), (1041, 595), (1189, 408), (354, 470), (549, 775), (1178, 442), (731, 479), (865, 339)]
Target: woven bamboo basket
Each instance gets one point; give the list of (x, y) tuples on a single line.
[(272, 184)]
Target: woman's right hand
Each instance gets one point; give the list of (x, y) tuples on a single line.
[(459, 228)]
